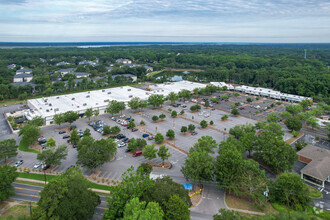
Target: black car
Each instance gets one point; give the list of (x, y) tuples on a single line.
[(134, 129), (74, 146), (112, 137), (121, 136), (61, 132), (127, 150), (66, 136), (72, 127), (42, 141)]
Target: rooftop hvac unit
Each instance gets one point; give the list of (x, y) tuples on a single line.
[(50, 104), (129, 89), (103, 90), (87, 96), (47, 110), (130, 96), (77, 106), (88, 92), (109, 92), (56, 109), (57, 97), (107, 100), (51, 109), (84, 104), (73, 99), (96, 103)]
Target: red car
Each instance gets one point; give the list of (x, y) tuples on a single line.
[(125, 125), (137, 153), (45, 167), (241, 108)]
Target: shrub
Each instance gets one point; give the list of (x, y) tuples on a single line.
[(211, 122), (295, 133), (169, 109), (184, 129), (155, 118), (257, 98), (142, 123), (170, 134), (106, 130), (203, 124), (249, 100), (224, 117), (191, 127), (162, 116), (182, 112), (174, 114)]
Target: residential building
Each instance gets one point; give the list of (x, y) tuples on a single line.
[(11, 66), (23, 71), (62, 63), (148, 68), (42, 60), (88, 62), (24, 77), (80, 74), (124, 61), (134, 78), (109, 68), (317, 170), (65, 71)]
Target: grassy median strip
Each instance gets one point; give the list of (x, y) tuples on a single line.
[(40, 177), (25, 147)]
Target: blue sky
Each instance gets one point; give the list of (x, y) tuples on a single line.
[(280, 21)]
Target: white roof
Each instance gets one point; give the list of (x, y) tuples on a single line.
[(167, 88), (222, 84)]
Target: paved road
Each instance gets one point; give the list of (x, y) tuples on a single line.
[(31, 193)]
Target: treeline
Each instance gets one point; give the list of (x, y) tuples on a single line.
[(281, 67)]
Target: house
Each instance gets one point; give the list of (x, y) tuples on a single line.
[(124, 61), (23, 71), (65, 71), (148, 68), (88, 62), (11, 66), (62, 63), (109, 68), (134, 78), (42, 60), (24, 84), (317, 170), (80, 74), (24, 77)]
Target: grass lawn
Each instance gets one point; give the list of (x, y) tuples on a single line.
[(310, 211), (314, 193), (25, 147), (16, 209), (11, 102), (242, 203), (35, 176)]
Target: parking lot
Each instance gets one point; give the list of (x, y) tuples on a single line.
[(177, 147)]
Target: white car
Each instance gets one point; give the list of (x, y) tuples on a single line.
[(37, 165), (122, 144), (18, 163)]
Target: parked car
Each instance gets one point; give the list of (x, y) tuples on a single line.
[(127, 150), (72, 127), (213, 109), (137, 153), (145, 135), (150, 138), (45, 166), (112, 137), (134, 129), (66, 136), (37, 165), (43, 146), (241, 108), (72, 166), (121, 136), (122, 144), (127, 140), (61, 132), (125, 125), (18, 163), (74, 146), (194, 133), (40, 138), (114, 118)]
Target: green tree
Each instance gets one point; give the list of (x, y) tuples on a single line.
[(293, 123), (134, 103), (184, 129), (203, 124), (29, 133), (176, 209), (313, 122), (115, 129), (87, 133), (249, 100), (137, 210), (133, 185), (62, 198), (174, 114), (205, 143), (300, 145), (156, 100), (191, 127), (8, 148), (53, 156), (159, 138), (163, 189), (8, 175), (211, 122), (228, 214), (142, 123), (106, 130), (74, 138), (163, 153), (51, 142), (162, 116), (144, 169), (235, 112), (198, 166), (207, 104), (170, 134), (185, 94), (71, 116), (143, 104), (89, 113), (305, 104), (155, 118), (149, 152), (290, 190), (239, 130), (172, 97), (96, 152), (121, 107), (96, 113), (113, 107), (272, 117), (59, 118), (294, 109), (182, 112), (131, 124), (225, 117), (37, 121)]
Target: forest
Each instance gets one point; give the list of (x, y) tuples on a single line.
[(278, 66)]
